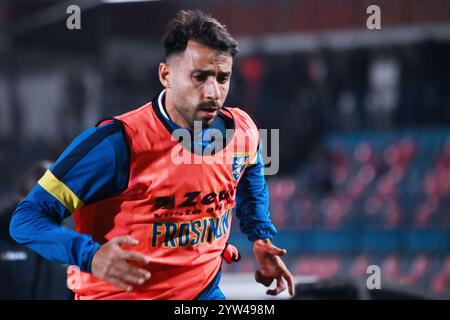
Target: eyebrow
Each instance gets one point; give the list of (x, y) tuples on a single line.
[(212, 73)]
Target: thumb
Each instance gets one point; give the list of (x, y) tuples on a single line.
[(275, 251), (125, 240)]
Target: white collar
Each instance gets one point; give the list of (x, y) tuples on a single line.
[(160, 105)]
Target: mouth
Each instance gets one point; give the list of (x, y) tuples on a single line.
[(209, 112)]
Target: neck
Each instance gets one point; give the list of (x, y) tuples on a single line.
[(172, 112)]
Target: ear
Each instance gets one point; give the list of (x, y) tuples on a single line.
[(164, 74)]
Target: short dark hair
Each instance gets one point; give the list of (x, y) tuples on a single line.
[(198, 26)]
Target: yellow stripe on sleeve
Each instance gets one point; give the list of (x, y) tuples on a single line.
[(60, 191)]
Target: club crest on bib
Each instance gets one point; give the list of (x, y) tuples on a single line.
[(239, 163)]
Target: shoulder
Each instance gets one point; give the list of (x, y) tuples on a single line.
[(136, 114), (243, 116), (93, 136), (245, 127), (144, 117), (104, 138)]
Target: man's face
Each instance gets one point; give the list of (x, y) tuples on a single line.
[(199, 80)]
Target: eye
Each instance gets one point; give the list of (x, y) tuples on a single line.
[(200, 77), (223, 79)]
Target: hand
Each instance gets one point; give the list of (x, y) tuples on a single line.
[(110, 263), (272, 267)]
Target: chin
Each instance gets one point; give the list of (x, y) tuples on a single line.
[(206, 122)]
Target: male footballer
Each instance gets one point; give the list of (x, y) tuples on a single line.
[(147, 226)]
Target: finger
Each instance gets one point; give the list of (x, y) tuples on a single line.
[(288, 276), (135, 271), (125, 240), (290, 281), (281, 286), (265, 280), (275, 251), (123, 275), (119, 283), (135, 256)]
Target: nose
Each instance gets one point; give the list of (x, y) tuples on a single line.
[(211, 89)]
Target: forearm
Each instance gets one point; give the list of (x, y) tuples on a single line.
[(42, 233), (257, 230), (252, 199), (253, 210), (73, 181)]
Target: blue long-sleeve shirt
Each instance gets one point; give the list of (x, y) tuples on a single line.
[(96, 166)]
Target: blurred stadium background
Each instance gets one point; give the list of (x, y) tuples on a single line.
[(364, 119)]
